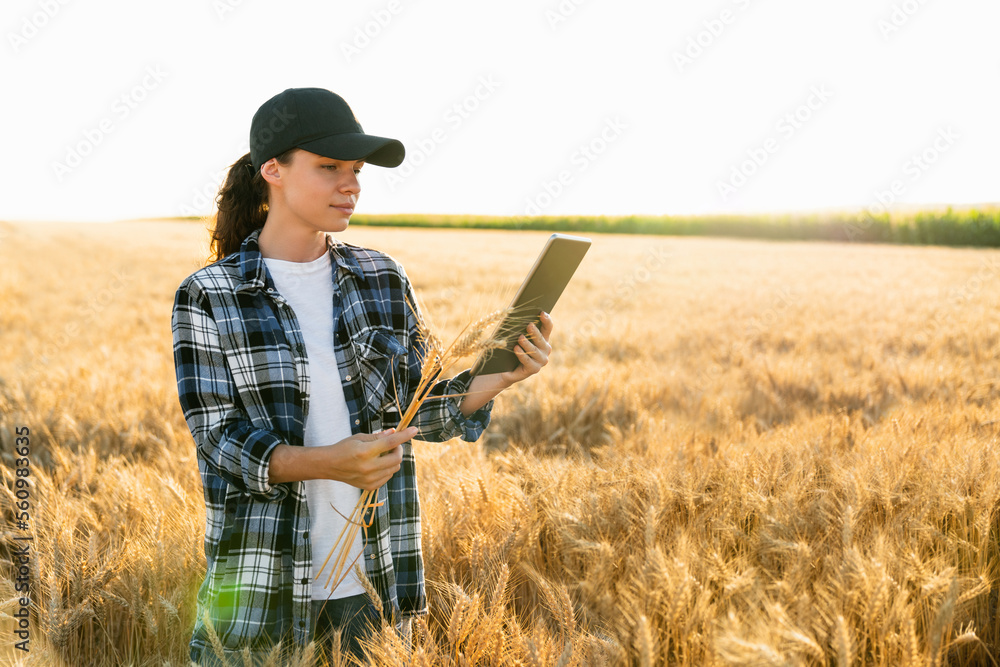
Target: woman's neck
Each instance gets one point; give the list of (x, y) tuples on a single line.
[(290, 242)]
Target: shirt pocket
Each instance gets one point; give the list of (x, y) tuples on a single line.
[(379, 352)]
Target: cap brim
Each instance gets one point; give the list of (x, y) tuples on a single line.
[(380, 151)]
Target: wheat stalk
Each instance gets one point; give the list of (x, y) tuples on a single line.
[(470, 340)]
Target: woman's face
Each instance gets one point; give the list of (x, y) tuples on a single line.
[(316, 191)]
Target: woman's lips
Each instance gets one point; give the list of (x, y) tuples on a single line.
[(345, 209)]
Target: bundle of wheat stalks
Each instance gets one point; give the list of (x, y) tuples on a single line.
[(472, 339)]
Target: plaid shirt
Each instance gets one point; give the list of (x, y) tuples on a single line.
[(243, 384)]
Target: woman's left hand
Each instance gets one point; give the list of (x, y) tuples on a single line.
[(532, 350)]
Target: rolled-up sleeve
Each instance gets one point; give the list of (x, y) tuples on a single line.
[(227, 441), (453, 423)]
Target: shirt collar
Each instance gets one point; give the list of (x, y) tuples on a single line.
[(253, 274)]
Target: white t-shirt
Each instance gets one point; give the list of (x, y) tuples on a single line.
[(308, 288)]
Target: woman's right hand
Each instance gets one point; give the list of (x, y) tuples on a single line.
[(368, 460), (364, 460)]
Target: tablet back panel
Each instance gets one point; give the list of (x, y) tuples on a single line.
[(540, 291)]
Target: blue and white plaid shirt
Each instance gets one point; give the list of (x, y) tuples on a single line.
[(243, 384)]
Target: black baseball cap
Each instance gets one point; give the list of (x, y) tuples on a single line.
[(320, 122)]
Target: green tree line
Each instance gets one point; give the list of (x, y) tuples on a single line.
[(964, 227)]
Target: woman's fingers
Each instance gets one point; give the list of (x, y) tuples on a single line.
[(378, 457), (533, 349), (538, 339), (546, 321), (536, 348), (531, 353), (390, 438)]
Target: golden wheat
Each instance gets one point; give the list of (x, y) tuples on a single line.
[(740, 453)]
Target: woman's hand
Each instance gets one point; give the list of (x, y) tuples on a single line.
[(532, 350), (364, 460), (368, 460)]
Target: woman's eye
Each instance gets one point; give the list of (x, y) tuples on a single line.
[(333, 166)]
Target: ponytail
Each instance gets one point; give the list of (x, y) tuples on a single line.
[(242, 203)]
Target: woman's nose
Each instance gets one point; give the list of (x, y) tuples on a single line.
[(352, 184)]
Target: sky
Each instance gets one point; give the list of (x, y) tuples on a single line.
[(119, 110)]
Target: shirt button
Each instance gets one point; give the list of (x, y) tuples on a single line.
[(356, 422), (305, 581), (348, 378), (305, 535), (302, 624), (373, 556)]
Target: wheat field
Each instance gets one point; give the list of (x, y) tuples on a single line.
[(741, 453)]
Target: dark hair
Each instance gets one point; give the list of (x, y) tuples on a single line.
[(242, 203)]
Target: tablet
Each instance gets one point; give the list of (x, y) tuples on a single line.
[(539, 292)]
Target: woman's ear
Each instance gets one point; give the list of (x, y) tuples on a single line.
[(269, 170)]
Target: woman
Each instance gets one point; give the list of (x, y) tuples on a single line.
[(291, 351)]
